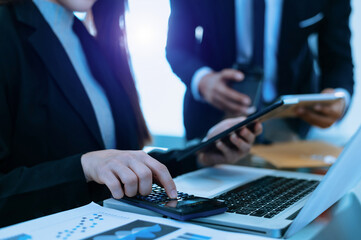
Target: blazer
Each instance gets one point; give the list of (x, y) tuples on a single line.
[(47, 122), (328, 19)]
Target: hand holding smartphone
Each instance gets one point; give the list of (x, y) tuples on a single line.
[(251, 84)]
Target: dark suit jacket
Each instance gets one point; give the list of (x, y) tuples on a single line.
[(295, 61), (47, 122)]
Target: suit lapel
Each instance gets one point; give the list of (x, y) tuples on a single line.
[(286, 50), (288, 25), (58, 64)]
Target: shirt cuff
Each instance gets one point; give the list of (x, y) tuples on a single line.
[(197, 76)]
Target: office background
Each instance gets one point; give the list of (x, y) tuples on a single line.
[(161, 92)]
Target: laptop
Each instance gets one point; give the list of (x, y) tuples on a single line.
[(265, 201)]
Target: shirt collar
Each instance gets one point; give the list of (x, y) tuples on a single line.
[(58, 17)]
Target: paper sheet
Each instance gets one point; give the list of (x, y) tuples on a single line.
[(299, 154), (95, 222)]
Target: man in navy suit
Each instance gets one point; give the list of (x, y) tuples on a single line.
[(207, 37)]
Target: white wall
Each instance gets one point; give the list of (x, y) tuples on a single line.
[(162, 92)]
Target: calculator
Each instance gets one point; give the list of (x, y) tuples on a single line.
[(184, 207)]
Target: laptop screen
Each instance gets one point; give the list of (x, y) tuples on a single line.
[(340, 179)]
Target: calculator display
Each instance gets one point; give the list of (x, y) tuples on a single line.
[(174, 203)]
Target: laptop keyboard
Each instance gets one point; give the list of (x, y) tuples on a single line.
[(267, 196)]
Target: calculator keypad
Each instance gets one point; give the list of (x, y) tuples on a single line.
[(159, 195)]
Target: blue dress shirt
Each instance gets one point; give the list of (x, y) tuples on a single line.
[(61, 21)]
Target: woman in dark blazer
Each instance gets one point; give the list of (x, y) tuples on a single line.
[(55, 136)]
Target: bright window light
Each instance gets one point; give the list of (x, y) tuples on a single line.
[(161, 92)]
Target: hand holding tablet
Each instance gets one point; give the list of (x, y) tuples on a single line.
[(233, 148), (285, 107), (323, 114)]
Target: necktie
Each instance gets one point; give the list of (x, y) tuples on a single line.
[(268, 89), (100, 68), (257, 61), (258, 32)]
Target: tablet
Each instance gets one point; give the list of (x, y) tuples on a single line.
[(291, 102), (284, 107), (209, 144)]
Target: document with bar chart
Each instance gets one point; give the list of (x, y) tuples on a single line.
[(99, 223)]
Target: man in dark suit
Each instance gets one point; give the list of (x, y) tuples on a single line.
[(207, 37)]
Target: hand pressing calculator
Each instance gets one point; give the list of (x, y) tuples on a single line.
[(185, 207)]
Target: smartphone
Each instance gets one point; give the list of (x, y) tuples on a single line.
[(251, 84)]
